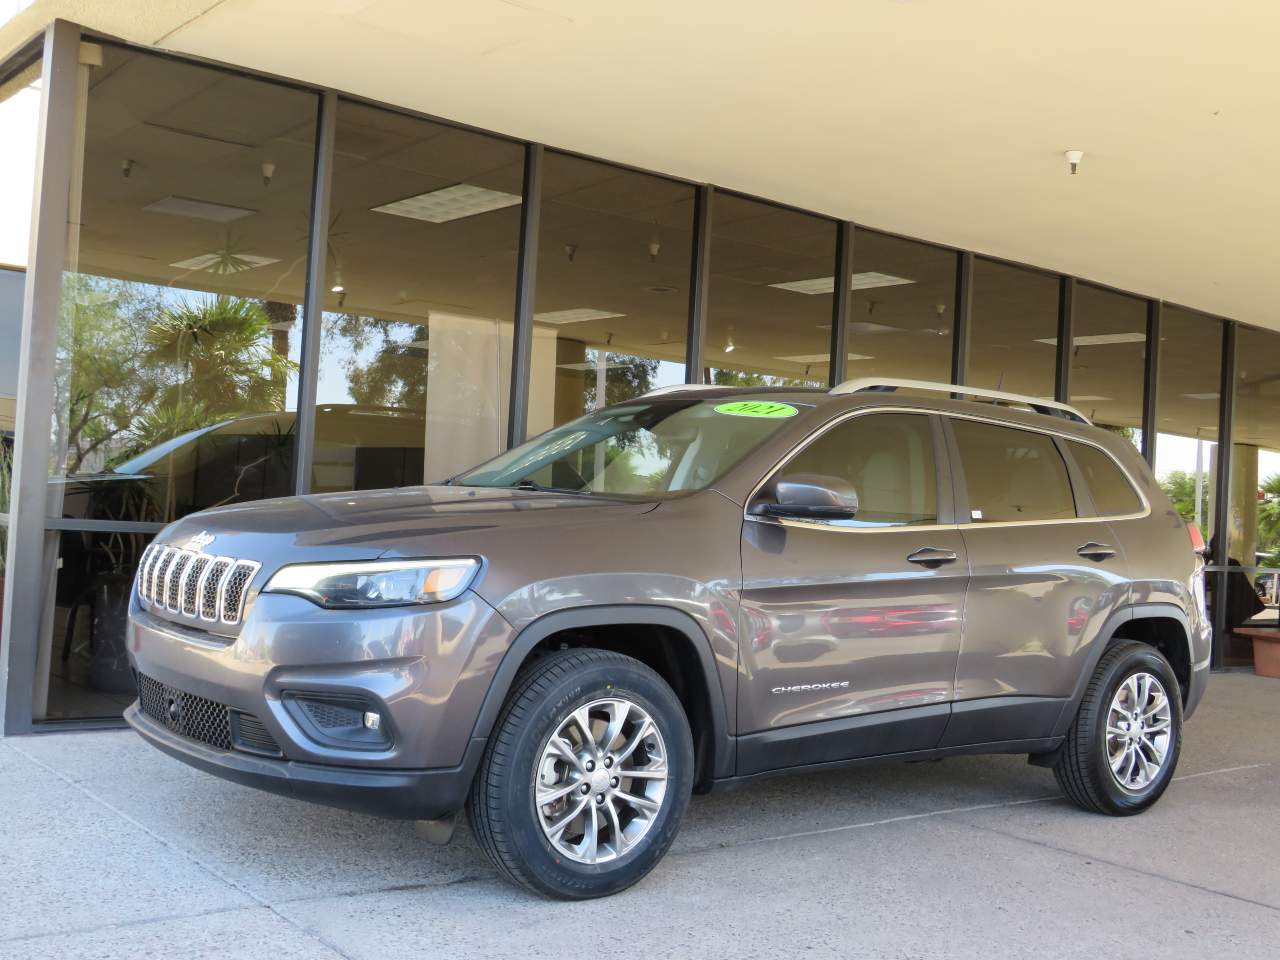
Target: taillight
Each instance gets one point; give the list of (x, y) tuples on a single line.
[(1197, 539)]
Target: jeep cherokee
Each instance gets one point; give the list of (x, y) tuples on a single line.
[(698, 586)]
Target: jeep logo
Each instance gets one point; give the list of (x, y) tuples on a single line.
[(200, 541), (812, 687)]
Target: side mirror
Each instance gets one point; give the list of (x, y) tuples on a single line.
[(810, 496)]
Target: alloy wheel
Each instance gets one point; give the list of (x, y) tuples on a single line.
[(601, 780), (1139, 727)]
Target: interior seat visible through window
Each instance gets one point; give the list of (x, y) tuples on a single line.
[(888, 457), (1011, 474)]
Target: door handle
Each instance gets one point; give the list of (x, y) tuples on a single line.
[(1096, 551), (932, 557)]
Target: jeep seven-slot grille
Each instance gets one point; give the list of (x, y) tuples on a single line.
[(196, 585)]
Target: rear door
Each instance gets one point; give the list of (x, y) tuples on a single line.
[(842, 619), (1045, 576)]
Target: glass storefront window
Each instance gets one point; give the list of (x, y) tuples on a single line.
[(179, 330), (1253, 531), (611, 317), (772, 282), (1013, 328), (178, 333), (1108, 359), (85, 669), (901, 308), (1187, 407), (415, 351)]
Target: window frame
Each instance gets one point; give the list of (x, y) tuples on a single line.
[(945, 501), (1084, 506)]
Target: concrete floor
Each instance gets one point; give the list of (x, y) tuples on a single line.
[(110, 849)]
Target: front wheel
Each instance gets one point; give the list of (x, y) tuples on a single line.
[(586, 778), (1123, 746)]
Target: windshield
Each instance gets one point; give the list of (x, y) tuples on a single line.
[(645, 448), (149, 458)]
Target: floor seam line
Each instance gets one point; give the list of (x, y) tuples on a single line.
[(1089, 857), (163, 841), (924, 815), (128, 924), (183, 852)]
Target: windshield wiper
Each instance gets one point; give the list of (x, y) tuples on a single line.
[(524, 483)]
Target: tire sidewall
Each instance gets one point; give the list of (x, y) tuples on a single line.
[(1139, 660), (550, 870)]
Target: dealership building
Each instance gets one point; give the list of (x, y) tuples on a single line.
[(257, 248)]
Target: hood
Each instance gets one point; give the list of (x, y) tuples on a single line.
[(408, 521)]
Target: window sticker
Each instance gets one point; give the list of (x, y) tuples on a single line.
[(756, 408)]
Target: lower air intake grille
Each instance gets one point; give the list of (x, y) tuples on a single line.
[(205, 721), (184, 713), (251, 736)]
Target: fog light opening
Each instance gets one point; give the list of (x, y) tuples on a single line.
[(372, 720)]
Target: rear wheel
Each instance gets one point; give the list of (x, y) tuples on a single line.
[(1122, 749), (586, 778)]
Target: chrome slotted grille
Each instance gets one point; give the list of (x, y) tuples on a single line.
[(191, 585), (195, 585)]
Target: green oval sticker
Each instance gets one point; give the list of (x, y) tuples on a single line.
[(757, 408)]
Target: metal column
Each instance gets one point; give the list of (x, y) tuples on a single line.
[(313, 300), (30, 547)]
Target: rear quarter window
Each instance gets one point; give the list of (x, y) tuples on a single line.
[(1113, 494)]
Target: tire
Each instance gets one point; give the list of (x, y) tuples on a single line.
[(518, 833), (1084, 768)]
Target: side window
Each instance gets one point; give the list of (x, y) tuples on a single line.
[(1012, 474), (1113, 494), (888, 457)]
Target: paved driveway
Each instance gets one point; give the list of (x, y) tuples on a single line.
[(111, 849)]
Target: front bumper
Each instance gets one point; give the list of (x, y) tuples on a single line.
[(404, 794), (425, 671)]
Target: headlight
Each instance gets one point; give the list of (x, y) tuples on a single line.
[(376, 583)]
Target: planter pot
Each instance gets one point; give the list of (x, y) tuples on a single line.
[(1266, 656)]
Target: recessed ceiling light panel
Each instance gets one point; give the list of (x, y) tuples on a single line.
[(198, 209), (449, 203), (576, 315), (858, 281), (585, 365), (1099, 339), (820, 357)]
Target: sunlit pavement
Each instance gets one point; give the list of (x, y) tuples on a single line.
[(111, 849)]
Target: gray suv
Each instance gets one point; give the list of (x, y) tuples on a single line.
[(698, 586)]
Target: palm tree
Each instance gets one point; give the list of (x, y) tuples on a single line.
[(1269, 521), (222, 354)]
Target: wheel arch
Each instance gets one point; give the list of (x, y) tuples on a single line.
[(668, 640), (1164, 626)]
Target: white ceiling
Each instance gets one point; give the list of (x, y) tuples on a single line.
[(940, 119)]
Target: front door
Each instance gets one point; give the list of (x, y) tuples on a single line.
[(843, 621)]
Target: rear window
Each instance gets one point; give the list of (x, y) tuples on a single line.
[(1012, 475), (1113, 494)]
